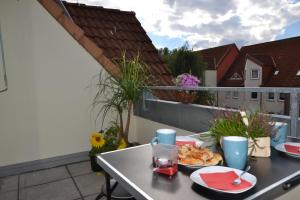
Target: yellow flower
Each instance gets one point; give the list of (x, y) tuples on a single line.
[(97, 140), (122, 144)]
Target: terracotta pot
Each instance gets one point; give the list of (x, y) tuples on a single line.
[(262, 147), (186, 96)]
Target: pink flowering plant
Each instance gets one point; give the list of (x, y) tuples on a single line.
[(187, 80)]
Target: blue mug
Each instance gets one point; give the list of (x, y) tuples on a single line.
[(164, 136), (235, 151), (280, 136)]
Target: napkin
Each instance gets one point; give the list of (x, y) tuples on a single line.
[(223, 181), (180, 143), (292, 148)]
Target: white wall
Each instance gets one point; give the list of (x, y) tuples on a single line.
[(250, 65), (210, 78), (244, 101), (46, 111)]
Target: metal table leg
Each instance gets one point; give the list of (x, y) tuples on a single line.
[(108, 189)]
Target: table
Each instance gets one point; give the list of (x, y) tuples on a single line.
[(132, 168)]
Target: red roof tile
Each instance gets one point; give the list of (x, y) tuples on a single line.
[(281, 54), (107, 33), (213, 56)]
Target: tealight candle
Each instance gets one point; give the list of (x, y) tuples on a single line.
[(163, 161)]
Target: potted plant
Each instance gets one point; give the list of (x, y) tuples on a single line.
[(186, 80), (118, 94), (104, 141), (254, 126)]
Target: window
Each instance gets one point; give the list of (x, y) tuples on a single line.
[(235, 95), (271, 96), (3, 82), (281, 96), (227, 95), (254, 95), (254, 74)]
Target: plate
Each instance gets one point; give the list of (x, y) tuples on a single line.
[(198, 142), (213, 169), (280, 147)]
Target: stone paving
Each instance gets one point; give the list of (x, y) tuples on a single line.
[(70, 182)]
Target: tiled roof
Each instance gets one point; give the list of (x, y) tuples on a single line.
[(262, 60), (107, 33), (117, 31), (213, 56), (282, 55)]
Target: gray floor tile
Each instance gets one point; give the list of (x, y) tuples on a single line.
[(11, 195), (60, 190), (90, 183), (291, 195), (43, 176), (92, 197), (8, 183), (80, 168)]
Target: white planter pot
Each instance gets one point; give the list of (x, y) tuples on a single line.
[(262, 147)]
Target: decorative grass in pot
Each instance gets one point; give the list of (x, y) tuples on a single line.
[(254, 126)]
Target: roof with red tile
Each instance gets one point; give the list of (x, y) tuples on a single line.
[(117, 31), (214, 56), (282, 55), (107, 33)]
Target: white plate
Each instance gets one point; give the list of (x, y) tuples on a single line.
[(198, 142), (280, 147), (213, 169)]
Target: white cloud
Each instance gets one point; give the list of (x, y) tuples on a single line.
[(207, 23)]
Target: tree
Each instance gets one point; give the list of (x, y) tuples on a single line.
[(184, 60)]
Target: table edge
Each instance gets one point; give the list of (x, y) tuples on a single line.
[(133, 188), (274, 185), (139, 191)]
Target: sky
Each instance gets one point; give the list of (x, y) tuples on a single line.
[(209, 23)]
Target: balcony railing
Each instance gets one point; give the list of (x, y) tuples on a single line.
[(176, 110)]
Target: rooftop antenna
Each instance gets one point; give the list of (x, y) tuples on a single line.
[(274, 62), (65, 9)]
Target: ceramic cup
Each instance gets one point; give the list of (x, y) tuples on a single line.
[(280, 136), (164, 136), (235, 151)]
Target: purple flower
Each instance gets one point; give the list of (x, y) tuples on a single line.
[(187, 80)]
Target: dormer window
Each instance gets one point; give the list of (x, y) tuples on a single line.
[(298, 73), (276, 72), (254, 74), (235, 76)]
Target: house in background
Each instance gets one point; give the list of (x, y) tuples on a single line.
[(270, 64), (53, 53), (218, 60)]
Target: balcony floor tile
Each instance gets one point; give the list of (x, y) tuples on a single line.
[(59, 190), (43, 176)]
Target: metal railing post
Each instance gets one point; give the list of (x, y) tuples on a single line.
[(145, 108), (294, 113)]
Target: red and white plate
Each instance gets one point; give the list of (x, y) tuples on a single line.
[(281, 147), (195, 176)]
